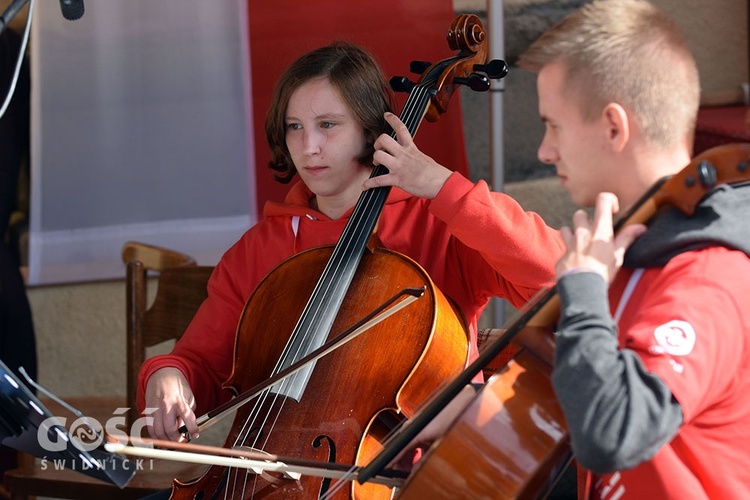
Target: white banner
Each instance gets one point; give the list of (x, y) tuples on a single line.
[(141, 130)]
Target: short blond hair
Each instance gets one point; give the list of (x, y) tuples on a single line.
[(629, 52)]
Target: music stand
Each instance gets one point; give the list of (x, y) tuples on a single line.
[(26, 425)]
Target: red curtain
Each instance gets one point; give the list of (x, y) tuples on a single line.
[(394, 31)]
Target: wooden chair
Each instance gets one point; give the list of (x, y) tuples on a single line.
[(181, 288)]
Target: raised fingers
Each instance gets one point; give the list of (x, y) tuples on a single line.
[(184, 415), (581, 230), (402, 133), (625, 238), (606, 205)]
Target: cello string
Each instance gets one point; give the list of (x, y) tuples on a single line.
[(351, 474), (326, 281), (322, 288), (397, 302), (326, 284), (414, 109)]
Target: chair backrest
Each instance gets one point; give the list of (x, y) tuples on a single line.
[(181, 288)]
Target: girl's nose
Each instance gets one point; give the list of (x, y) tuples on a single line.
[(312, 143)]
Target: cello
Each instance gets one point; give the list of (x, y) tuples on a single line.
[(511, 440), (335, 409)]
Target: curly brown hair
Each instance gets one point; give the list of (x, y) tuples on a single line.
[(360, 82)]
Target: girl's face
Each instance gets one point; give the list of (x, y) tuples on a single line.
[(324, 139)]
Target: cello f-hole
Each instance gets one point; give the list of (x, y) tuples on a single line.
[(317, 443)]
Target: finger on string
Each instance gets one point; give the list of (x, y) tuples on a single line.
[(378, 181), (581, 229), (581, 219), (402, 133), (567, 236), (378, 156), (606, 206), (385, 144), (608, 201)]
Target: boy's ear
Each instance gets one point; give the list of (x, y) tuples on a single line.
[(617, 126)]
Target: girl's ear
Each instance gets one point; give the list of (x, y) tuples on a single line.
[(617, 126)]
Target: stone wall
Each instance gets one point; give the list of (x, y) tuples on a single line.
[(717, 32)]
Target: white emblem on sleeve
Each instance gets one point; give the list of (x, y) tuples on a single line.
[(675, 337)]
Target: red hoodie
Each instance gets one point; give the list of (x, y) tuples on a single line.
[(474, 244)]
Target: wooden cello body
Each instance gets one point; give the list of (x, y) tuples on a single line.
[(511, 441), (338, 409), (391, 368)]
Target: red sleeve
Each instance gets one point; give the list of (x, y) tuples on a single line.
[(518, 246), (205, 352)]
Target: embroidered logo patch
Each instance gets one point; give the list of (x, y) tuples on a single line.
[(675, 337)]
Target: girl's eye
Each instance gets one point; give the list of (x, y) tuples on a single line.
[(293, 126), (327, 124)]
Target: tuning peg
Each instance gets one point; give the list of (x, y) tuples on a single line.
[(419, 67), (401, 84), (495, 69), (475, 81)]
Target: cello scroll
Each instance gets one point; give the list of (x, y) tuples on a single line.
[(468, 67)]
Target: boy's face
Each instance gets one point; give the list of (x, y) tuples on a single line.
[(575, 146)]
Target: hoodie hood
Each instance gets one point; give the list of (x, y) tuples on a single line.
[(721, 219), (297, 203)]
